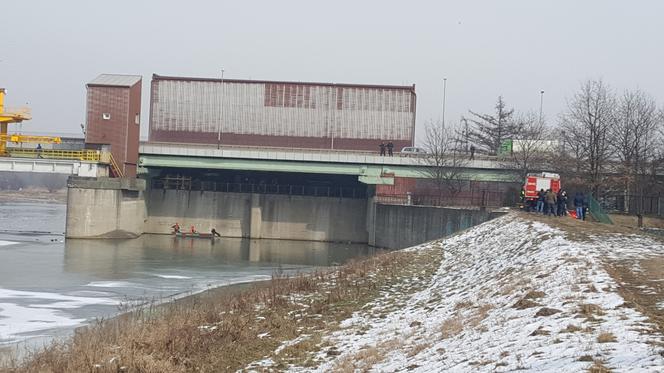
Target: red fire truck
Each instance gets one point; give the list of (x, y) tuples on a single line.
[(536, 182)]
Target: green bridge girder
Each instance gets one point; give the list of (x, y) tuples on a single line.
[(367, 173)]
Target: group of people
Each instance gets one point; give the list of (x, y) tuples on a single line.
[(551, 203), (192, 230), (555, 204), (389, 147)]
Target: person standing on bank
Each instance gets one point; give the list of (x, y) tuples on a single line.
[(390, 147), (578, 205), (551, 202), (382, 148), (472, 152), (540, 201)]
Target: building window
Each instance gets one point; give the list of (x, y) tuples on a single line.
[(137, 119), (106, 116)]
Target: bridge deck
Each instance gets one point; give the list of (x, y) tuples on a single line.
[(53, 166), (302, 155), (369, 167)]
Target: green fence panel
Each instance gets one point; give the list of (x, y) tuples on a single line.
[(597, 212)]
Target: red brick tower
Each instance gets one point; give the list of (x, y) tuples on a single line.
[(114, 116)]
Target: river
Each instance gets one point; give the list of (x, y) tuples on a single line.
[(49, 285)]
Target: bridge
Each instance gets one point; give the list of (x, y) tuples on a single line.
[(84, 163), (370, 168)]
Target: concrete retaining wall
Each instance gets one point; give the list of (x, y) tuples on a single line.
[(119, 208), (259, 215), (398, 226)]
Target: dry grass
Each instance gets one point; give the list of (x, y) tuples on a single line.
[(546, 311), (479, 315), (218, 331), (367, 357), (571, 328), (522, 304), (463, 305), (589, 310), (451, 327), (598, 367), (361, 361), (534, 294), (606, 337), (416, 349)]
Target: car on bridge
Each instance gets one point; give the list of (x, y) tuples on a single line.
[(412, 151)]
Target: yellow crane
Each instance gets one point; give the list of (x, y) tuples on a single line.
[(17, 116)]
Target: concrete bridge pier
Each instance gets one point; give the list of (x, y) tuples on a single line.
[(105, 208)]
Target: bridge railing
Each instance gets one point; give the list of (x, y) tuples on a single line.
[(376, 152), (482, 198), (298, 190), (79, 155)]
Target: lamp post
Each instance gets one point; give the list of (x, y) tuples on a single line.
[(541, 102), (221, 110), (444, 97)]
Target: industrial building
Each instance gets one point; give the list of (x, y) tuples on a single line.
[(113, 118), (281, 114)]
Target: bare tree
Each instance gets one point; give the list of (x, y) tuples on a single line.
[(490, 130), (586, 127), (634, 139), (530, 147), (445, 158)]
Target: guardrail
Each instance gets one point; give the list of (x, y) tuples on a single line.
[(85, 155), (294, 150), (79, 155)]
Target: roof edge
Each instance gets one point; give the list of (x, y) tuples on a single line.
[(248, 81)]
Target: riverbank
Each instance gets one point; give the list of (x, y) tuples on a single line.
[(225, 329), (521, 292)]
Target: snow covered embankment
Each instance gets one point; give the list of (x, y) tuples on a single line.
[(509, 294)]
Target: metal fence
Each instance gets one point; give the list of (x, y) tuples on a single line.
[(633, 204), (482, 198), (185, 183)]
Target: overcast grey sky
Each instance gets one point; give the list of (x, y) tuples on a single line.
[(514, 48)]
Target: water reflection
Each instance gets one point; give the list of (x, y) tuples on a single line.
[(114, 259)]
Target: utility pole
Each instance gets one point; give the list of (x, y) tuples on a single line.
[(221, 111)]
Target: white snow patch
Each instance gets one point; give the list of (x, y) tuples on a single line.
[(178, 277), (486, 270), (111, 284), (47, 312)]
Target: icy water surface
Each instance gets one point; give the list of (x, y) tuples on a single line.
[(49, 286)]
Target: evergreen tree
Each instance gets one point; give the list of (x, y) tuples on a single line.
[(490, 130)]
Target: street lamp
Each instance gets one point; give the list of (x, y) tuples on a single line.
[(541, 102), (221, 110), (444, 97)]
